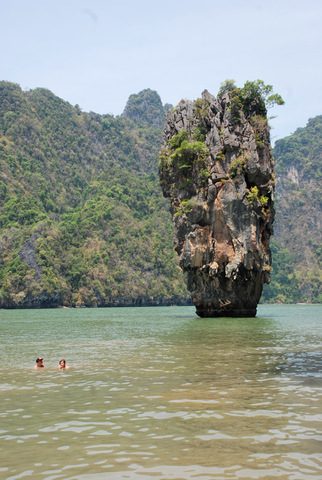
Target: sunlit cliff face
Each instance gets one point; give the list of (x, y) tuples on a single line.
[(217, 170)]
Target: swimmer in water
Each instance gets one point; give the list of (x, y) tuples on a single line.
[(39, 363), (62, 364)]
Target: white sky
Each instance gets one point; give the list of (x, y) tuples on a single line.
[(96, 53)]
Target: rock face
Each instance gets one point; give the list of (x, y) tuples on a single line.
[(216, 167)]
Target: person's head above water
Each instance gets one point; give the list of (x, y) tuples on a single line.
[(39, 362), (62, 363)]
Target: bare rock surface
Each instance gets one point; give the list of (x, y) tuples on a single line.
[(218, 172)]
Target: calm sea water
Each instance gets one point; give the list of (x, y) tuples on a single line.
[(157, 393)]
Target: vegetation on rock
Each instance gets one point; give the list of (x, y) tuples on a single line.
[(216, 168), (254, 98)]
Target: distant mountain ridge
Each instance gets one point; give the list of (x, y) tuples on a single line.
[(83, 221), (145, 108)]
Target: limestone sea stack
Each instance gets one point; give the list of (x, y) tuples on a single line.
[(216, 167)]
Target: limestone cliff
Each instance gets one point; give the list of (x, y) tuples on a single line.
[(217, 169)]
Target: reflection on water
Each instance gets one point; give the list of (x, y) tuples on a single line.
[(155, 393)]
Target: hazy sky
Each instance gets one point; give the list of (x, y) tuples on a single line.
[(95, 53)]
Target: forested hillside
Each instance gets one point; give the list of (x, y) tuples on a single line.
[(82, 217), (83, 221), (297, 248)]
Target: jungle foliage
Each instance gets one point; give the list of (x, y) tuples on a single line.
[(82, 217), (297, 269), (83, 221)]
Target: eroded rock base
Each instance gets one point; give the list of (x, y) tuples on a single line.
[(205, 311)]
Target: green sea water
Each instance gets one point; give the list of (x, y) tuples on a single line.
[(157, 393)]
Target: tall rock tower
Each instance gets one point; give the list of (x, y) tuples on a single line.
[(216, 167)]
